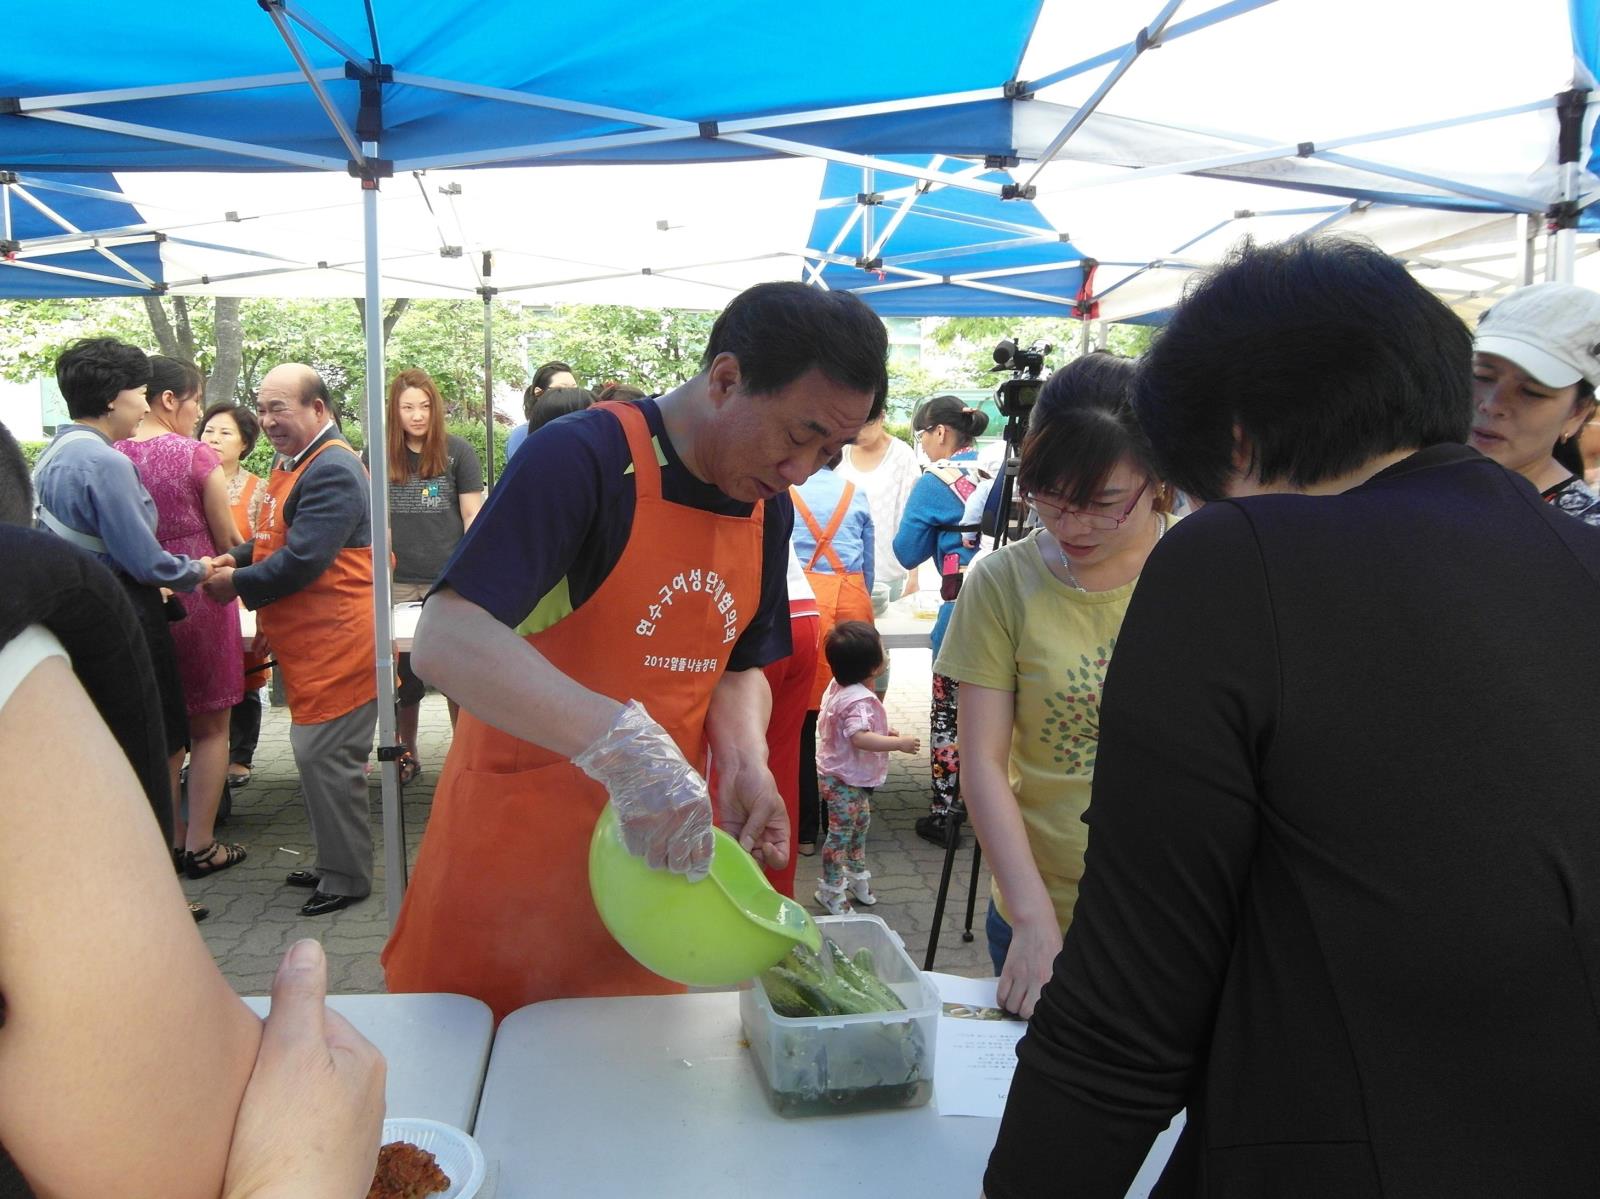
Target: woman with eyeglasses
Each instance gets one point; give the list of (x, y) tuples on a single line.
[(1029, 644), (946, 431)]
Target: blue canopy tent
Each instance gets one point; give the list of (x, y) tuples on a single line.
[(911, 247), (363, 92)]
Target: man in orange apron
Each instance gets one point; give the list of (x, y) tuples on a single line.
[(308, 573), (603, 626)]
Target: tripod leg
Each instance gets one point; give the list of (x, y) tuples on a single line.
[(972, 888), (952, 834)]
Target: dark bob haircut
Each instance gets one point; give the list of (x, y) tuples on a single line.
[(953, 413), (1082, 426), (779, 331), (249, 426), (558, 401), (92, 371), (1322, 353), (540, 383), (853, 651), (16, 487)]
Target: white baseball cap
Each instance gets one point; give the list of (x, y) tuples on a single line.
[(1550, 330)]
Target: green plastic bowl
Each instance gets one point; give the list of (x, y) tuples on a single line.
[(729, 926)]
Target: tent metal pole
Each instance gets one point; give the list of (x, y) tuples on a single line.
[(167, 91), (866, 213), (5, 209), (315, 162), (51, 214), (1528, 239), (1571, 107), (888, 166), (394, 820), (488, 377), (1173, 33), (70, 274)]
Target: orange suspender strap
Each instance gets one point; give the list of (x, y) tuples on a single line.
[(824, 537), (641, 446)]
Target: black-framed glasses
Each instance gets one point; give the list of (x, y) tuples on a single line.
[(1094, 520)]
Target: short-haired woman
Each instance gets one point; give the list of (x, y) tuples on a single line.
[(1535, 364), (947, 431), (435, 491), (1029, 643), (1339, 897), (232, 430)]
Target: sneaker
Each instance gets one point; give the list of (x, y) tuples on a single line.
[(832, 901), (935, 827), (860, 888)]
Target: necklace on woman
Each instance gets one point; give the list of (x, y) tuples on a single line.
[(1066, 565)]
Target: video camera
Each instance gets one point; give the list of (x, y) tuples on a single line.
[(1017, 395)]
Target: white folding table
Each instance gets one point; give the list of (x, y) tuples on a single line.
[(657, 1095), (436, 1046)]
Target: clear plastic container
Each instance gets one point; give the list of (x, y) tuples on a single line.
[(829, 1065)]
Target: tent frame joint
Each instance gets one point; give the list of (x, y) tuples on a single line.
[(1562, 215), (1017, 89), (1018, 191), (10, 106), (1000, 162), (870, 264), (371, 171), (376, 72), (709, 130), (1305, 149), (869, 199)]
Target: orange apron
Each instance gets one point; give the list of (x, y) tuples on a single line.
[(321, 635), (841, 595), (255, 665), (499, 905)]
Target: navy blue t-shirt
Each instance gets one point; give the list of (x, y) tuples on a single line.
[(557, 523)]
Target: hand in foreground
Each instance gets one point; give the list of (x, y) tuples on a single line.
[(312, 1113), (660, 800), (1029, 962), (219, 586), (753, 811)]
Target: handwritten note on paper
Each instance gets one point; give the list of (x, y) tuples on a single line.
[(977, 1048)]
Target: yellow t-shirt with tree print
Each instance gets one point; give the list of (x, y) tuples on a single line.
[(1018, 628)]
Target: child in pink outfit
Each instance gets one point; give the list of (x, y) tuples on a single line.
[(854, 741)]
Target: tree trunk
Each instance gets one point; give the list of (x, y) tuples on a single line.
[(180, 305), (161, 327), (390, 319), (224, 380)]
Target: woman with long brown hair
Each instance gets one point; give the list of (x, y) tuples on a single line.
[(435, 491)]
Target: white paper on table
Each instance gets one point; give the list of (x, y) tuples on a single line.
[(977, 1050)]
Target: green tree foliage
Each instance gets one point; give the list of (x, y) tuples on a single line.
[(651, 349)]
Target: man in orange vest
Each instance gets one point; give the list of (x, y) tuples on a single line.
[(308, 574), (603, 626)]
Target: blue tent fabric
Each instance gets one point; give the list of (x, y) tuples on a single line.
[(948, 232), (714, 61), (87, 213)]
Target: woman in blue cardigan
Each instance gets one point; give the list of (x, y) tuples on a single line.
[(931, 528)]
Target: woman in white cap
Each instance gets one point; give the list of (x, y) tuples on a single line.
[(1535, 365)]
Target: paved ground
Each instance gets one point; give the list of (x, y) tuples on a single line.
[(255, 918)]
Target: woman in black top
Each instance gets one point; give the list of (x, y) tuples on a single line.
[(1342, 888), (435, 491)]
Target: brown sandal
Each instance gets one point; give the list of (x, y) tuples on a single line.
[(198, 865), (410, 768)]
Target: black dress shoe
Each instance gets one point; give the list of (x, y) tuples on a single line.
[(935, 827), (320, 903), (302, 878)]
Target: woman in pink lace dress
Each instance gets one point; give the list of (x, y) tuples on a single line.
[(184, 477)]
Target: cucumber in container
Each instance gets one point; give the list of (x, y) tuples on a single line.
[(867, 1041)]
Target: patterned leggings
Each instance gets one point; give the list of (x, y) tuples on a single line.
[(945, 761), (849, 813)]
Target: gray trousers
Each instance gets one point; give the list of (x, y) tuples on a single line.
[(331, 757)]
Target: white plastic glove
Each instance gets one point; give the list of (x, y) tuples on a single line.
[(661, 801)]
